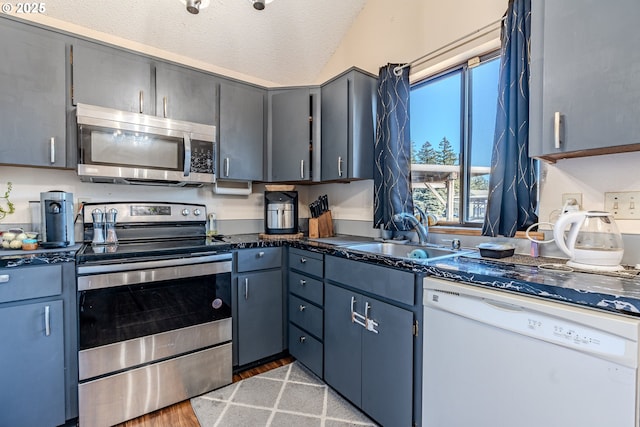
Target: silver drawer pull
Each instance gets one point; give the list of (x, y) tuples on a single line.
[(47, 320), (302, 307), (303, 339), (260, 254), (4, 278), (303, 282), (303, 260), (246, 288)]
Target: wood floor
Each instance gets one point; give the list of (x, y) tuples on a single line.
[(182, 415)]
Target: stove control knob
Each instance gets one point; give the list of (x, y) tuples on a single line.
[(196, 212), (185, 212)]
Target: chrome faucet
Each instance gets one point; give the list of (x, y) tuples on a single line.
[(422, 230)]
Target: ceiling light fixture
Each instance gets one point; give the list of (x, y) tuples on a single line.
[(260, 4), (195, 6)]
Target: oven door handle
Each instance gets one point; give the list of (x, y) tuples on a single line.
[(172, 262)]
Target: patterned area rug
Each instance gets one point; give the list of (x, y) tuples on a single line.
[(284, 397)]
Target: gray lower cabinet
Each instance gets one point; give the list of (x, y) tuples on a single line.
[(584, 66), (242, 132), (305, 308), (371, 366), (39, 345), (292, 121), (258, 308), (348, 126), (32, 96), (113, 78), (185, 94)]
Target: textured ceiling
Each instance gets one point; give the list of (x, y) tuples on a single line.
[(287, 43)]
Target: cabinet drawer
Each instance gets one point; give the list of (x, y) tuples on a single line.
[(306, 262), (30, 282), (306, 349), (386, 282), (305, 287), (305, 315), (258, 259)]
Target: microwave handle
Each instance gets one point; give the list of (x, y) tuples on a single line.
[(187, 154)]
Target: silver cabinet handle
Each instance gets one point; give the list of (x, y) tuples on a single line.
[(303, 282), (355, 316), (260, 254), (164, 107), (141, 101), (557, 129), (226, 166), (52, 149), (339, 165), (303, 339), (4, 278), (302, 307), (303, 260), (47, 320), (369, 324), (187, 154), (302, 169), (246, 288), (366, 310)]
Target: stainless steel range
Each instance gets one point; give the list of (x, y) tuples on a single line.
[(154, 310)]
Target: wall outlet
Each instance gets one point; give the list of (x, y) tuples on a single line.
[(575, 196), (623, 204)]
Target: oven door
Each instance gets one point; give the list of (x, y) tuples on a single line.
[(137, 316)]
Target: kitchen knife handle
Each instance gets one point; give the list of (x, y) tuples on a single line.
[(52, 149), (246, 288), (47, 320), (141, 100), (557, 129), (164, 106), (187, 154), (302, 169), (226, 166), (339, 165)]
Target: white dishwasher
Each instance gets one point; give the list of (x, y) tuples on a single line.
[(498, 359)]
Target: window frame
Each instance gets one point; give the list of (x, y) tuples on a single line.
[(465, 127)]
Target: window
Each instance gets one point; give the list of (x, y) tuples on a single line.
[(453, 119)]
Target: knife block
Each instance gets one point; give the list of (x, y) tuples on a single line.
[(321, 226)]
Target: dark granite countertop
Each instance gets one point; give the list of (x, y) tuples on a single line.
[(617, 293)]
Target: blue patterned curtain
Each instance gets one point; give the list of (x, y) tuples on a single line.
[(513, 180), (391, 175)]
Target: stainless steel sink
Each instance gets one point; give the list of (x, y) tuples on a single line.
[(403, 251)]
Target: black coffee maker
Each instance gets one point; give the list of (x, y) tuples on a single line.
[(280, 212)]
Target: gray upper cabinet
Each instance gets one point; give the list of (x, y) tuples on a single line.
[(185, 94), (242, 132), (32, 96), (293, 129), (585, 64), (348, 126), (112, 78)]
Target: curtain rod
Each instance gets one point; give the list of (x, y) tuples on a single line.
[(398, 70)]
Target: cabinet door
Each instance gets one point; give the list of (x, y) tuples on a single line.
[(290, 135), (348, 126), (32, 96), (342, 343), (260, 316), (111, 78), (387, 365), (241, 132), (32, 372), (184, 94), (585, 62)]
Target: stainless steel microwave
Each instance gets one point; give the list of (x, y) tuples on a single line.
[(129, 148)]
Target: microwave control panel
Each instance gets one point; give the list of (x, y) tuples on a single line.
[(202, 157)]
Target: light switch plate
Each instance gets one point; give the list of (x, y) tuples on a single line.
[(623, 204)]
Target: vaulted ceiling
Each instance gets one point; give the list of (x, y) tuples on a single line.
[(287, 43)]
